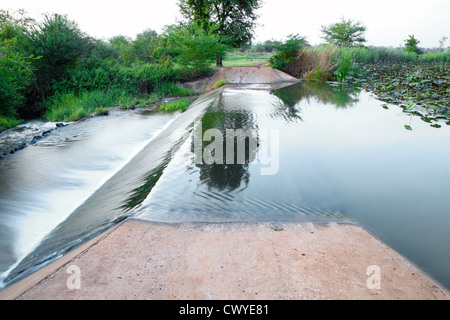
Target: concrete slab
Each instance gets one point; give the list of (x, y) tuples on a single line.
[(149, 260), (258, 74)]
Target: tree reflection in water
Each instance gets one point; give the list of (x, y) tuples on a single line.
[(228, 176)]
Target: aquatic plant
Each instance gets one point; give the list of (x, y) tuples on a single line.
[(422, 88)]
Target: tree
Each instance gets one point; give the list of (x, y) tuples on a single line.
[(344, 33), (235, 19), (15, 75), (16, 69), (412, 45), (60, 44), (144, 45), (442, 43), (195, 47)]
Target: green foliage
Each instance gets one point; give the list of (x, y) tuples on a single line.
[(181, 104), (7, 122), (317, 64), (344, 33), (71, 107), (412, 45), (171, 89), (423, 84), (235, 19), (197, 47), (53, 69), (16, 69), (287, 52), (145, 45), (266, 46), (60, 44), (220, 83), (245, 59), (344, 64), (15, 74)]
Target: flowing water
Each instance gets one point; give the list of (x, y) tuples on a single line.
[(310, 152)]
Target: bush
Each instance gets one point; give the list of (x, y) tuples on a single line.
[(71, 107), (197, 48), (314, 64), (15, 74), (7, 122), (287, 52)]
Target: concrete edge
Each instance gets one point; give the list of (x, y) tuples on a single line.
[(22, 286), (17, 288)]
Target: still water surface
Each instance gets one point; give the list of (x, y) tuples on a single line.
[(336, 156)]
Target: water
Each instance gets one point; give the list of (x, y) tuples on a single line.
[(342, 157), (45, 188), (323, 153)]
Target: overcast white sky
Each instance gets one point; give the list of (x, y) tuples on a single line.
[(388, 22)]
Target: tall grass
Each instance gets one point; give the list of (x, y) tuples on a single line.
[(7, 122), (70, 107), (181, 104), (171, 89), (314, 64), (332, 63)]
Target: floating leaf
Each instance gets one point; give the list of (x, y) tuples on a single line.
[(407, 127)]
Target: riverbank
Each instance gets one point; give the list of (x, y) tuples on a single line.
[(244, 261), (146, 260)]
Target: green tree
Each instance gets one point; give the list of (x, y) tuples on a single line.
[(412, 45), (124, 46), (60, 44), (344, 33), (195, 47), (15, 75), (145, 44), (15, 63), (235, 19)]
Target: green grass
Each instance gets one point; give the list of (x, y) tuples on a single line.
[(245, 59), (170, 89), (181, 104), (8, 122), (220, 83), (71, 107)]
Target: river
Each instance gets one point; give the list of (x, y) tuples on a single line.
[(310, 152)]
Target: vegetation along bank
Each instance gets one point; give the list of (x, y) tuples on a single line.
[(53, 70)]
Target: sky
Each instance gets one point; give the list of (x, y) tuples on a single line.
[(388, 22)]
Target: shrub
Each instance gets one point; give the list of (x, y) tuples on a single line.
[(15, 74), (287, 52), (71, 107)]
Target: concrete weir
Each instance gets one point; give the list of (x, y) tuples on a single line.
[(238, 261), (245, 75), (143, 259)]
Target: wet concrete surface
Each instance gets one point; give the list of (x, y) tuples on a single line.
[(146, 260)]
